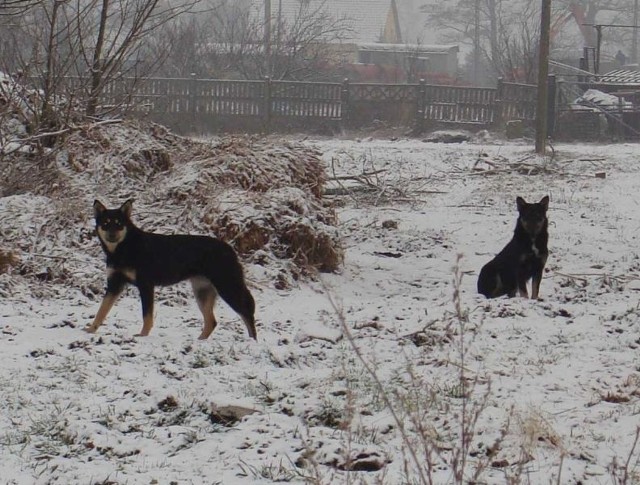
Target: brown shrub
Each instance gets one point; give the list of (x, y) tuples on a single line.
[(245, 237), (7, 260), (309, 247)]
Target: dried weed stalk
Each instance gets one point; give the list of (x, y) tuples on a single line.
[(428, 447), (626, 473)]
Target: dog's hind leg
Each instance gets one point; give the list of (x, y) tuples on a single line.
[(146, 298), (205, 294), (485, 284)]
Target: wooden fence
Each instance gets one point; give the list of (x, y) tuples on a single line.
[(211, 105), (455, 104)]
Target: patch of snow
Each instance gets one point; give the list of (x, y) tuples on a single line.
[(555, 382), (593, 98)]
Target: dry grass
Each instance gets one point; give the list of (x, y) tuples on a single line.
[(7, 261), (536, 430)]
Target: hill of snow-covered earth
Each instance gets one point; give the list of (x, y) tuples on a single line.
[(394, 368)]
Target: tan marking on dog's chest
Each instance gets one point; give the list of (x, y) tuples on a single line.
[(535, 249), (129, 273), (111, 246)]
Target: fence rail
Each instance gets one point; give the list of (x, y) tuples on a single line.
[(212, 104), (518, 101), (457, 104)]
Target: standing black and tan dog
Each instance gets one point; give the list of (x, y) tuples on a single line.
[(523, 258), (147, 260)]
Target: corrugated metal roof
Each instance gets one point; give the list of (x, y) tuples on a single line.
[(409, 48), (620, 76), (365, 18)]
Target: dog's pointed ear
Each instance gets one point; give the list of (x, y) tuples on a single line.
[(126, 208), (520, 202), (544, 202), (98, 208)]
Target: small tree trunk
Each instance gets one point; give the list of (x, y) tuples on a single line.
[(52, 50), (97, 65)]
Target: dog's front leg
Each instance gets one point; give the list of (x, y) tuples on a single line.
[(535, 284), (115, 285), (535, 287), (522, 287), (146, 298), (537, 279)]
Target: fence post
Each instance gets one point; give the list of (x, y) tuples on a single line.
[(167, 103), (583, 65), (499, 104), (118, 91), (619, 121), (266, 115), (192, 93), (420, 106), (551, 105), (344, 104), (193, 100)]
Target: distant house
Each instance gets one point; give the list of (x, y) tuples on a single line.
[(436, 64), (370, 47)]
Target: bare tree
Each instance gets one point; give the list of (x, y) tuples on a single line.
[(118, 37), (302, 44), (235, 46), (514, 46), (229, 42), (16, 7), (505, 38), (508, 30), (194, 44), (72, 49), (183, 46)]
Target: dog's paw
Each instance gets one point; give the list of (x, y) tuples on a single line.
[(90, 329)]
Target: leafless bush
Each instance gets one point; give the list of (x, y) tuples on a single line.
[(375, 185)]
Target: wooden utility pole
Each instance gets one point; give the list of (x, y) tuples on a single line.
[(476, 44), (543, 73), (634, 40), (267, 35)]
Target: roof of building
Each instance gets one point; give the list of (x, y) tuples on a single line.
[(620, 76), (409, 48), (366, 19)]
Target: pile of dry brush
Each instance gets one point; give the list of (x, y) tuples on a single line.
[(262, 197)]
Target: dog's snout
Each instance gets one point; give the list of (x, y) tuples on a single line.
[(112, 236)]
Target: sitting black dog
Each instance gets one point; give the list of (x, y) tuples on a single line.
[(523, 258)]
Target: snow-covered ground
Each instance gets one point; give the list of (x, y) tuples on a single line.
[(384, 368)]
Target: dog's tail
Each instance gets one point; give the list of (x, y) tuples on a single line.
[(242, 302), (227, 276)]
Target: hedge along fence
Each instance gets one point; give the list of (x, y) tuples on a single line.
[(212, 105)]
